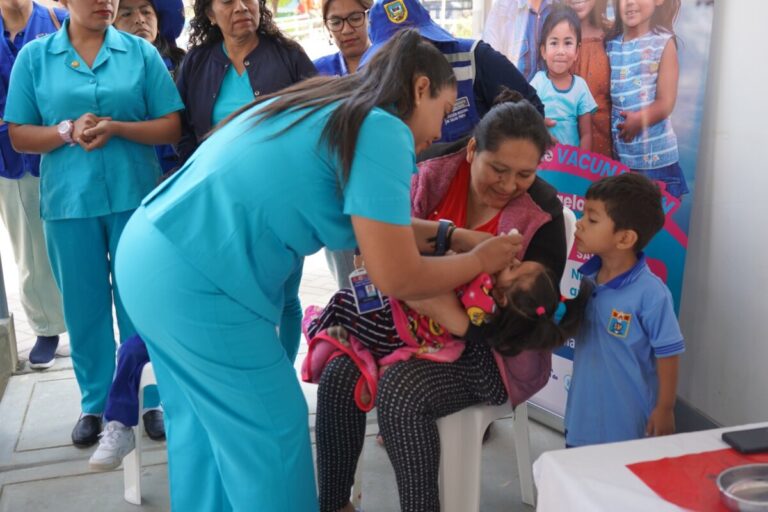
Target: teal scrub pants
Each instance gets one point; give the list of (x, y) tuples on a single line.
[(82, 259), (236, 419)]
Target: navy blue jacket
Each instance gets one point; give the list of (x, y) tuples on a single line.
[(271, 66)]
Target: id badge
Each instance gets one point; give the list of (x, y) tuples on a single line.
[(367, 296)]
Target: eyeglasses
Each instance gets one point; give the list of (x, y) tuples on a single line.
[(355, 20)]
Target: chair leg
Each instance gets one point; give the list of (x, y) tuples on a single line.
[(132, 461), (131, 477), (460, 462), (523, 452)]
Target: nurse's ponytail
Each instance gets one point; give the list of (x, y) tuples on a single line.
[(387, 81)]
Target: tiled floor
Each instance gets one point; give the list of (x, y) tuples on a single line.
[(40, 470)]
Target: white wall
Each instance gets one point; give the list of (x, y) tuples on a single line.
[(724, 309)]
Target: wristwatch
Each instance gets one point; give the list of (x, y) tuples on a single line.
[(65, 129), (445, 229)]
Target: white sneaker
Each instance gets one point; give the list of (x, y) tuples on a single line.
[(116, 441)]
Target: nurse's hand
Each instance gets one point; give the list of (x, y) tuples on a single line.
[(498, 252), (85, 121), (99, 134)]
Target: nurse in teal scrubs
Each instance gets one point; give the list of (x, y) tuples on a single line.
[(204, 263), (93, 101)]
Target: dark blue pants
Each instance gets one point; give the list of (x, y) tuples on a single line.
[(123, 400)]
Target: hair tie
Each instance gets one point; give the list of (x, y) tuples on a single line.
[(540, 310)]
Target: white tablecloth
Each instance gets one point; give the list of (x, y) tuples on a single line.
[(596, 478)]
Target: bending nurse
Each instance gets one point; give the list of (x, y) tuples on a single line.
[(204, 262), (71, 100)]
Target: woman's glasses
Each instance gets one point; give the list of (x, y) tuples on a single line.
[(355, 20)]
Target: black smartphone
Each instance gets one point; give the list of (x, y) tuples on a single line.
[(748, 441)]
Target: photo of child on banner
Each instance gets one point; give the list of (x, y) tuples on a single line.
[(645, 64)]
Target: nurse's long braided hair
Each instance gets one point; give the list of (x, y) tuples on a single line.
[(386, 82)]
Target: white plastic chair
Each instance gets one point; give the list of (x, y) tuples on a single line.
[(461, 442), (570, 229), (132, 461)]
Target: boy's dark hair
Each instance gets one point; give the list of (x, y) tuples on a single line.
[(527, 321), (632, 201)]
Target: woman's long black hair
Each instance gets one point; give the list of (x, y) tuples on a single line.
[(387, 81), (168, 50)]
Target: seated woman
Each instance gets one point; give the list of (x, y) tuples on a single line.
[(489, 186)]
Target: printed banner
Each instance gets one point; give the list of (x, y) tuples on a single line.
[(572, 170)]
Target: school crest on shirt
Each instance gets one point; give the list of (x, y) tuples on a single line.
[(396, 11), (618, 325)]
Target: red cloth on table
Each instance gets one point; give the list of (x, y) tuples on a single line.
[(690, 481)]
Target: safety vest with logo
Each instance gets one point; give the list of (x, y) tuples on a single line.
[(464, 117)]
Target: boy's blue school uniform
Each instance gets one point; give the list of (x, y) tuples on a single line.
[(87, 197), (629, 322)]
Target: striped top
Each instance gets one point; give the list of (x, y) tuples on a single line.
[(634, 74)]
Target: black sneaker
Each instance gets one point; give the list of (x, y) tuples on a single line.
[(86, 431), (43, 354), (153, 424)]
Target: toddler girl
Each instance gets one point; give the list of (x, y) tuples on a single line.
[(511, 311), (566, 97), (644, 74)]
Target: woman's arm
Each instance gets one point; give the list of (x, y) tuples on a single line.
[(29, 138), (585, 132), (666, 96), (163, 130), (188, 141), (462, 240), (393, 261)]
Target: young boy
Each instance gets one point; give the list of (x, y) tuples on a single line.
[(626, 359)]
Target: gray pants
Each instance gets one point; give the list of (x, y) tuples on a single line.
[(341, 264), (40, 298)]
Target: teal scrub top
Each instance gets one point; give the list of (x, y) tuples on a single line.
[(128, 81), (235, 92), (253, 200)]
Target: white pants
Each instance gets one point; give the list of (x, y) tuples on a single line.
[(40, 298)]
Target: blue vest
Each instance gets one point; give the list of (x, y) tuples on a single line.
[(464, 117), (12, 164)]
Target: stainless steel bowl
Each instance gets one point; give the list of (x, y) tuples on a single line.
[(745, 488)]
